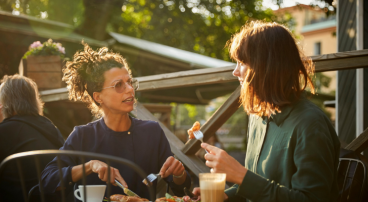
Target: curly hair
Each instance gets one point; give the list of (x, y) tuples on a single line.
[(278, 71), (85, 74)]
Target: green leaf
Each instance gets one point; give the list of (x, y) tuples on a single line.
[(167, 195)]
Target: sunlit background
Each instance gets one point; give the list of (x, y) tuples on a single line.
[(197, 27)]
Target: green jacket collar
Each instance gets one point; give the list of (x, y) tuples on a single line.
[(279, 118)]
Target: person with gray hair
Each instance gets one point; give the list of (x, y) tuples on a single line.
[(23, 128)]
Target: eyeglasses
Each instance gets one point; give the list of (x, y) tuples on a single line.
[(120, 86)]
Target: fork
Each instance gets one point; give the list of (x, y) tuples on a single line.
[(199, 136), (151, 177)]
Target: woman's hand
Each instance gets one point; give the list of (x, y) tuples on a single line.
[(172, 167), (197, 192), (101, 169), (221, 162)]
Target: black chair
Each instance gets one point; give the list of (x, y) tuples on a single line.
[(37, 154), (31, 194), (352, 174)]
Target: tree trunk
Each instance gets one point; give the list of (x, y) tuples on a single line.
[(97, 14)]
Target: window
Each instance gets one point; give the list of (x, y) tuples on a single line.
[(317, 48)]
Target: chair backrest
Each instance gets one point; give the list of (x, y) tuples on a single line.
[(83, 155), (352, 176)]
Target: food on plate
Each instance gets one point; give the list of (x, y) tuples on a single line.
[(188, 199), (116, 197), (123, 198), (172, 199), (169, 198), (196, 126)]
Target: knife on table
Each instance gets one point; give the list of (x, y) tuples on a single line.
[(126, 190)]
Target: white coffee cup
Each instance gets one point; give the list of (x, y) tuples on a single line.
[(94, 193)]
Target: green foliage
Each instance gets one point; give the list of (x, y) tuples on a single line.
[(187, 114), (193, 25), (173, 113), (192, 110), (321, 80), (66, 11), (320, 104), (191, 113), (47, 48), (199, 26), (237, 123)]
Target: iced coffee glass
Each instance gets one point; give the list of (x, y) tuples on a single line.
[(212, 186)]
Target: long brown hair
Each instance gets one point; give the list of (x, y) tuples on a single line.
[(278, 71), (85, 74)]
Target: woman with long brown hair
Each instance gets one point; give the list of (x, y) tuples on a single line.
[(293, 150), (103, 80)]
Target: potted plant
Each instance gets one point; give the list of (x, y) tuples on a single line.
[(43, 63)]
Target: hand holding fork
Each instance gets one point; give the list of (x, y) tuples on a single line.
[(172, 166), (199, 136)]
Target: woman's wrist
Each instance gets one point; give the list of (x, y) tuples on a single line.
[(179, 176), (77, 171), (181, 179), (241, 175), (88, 167)]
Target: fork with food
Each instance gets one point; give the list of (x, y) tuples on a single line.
[(195, 132)]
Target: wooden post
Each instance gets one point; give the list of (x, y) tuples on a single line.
[(194, 163), (360, 143), (221, 115)]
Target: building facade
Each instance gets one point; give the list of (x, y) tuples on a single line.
[(316, 33)]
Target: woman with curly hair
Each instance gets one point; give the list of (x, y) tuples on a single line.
[(103, 80), (293, 150)]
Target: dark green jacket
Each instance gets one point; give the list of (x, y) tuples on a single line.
[(291, 156)]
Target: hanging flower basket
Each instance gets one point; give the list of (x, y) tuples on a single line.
[(43, 63)]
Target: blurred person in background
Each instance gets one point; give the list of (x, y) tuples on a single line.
[(23, 128)]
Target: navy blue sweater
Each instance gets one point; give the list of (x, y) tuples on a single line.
[(23, 133), (144, 144)]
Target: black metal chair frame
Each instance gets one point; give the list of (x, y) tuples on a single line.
[(57, 153), (358, 162)]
